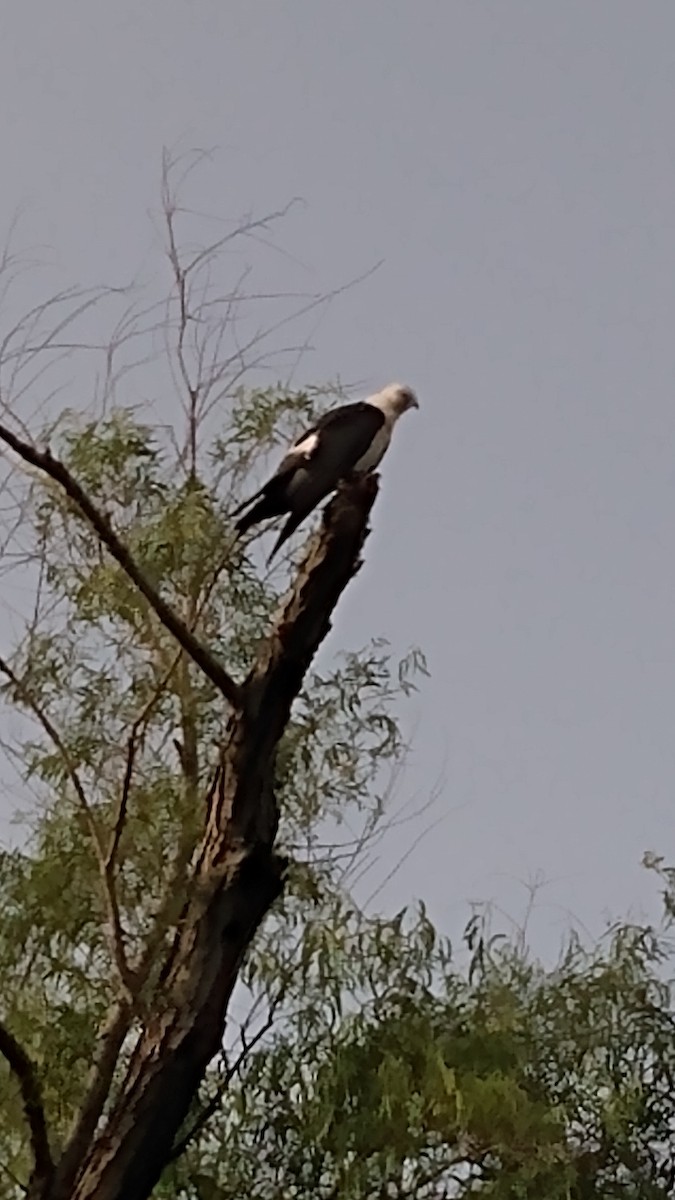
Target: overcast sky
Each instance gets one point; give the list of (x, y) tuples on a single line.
[(513, 165)]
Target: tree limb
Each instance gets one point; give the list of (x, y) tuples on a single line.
[(45, 462), (105, 868), (235, 878), (135, 736), (24, 1072)]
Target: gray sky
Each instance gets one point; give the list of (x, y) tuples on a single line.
[(514, 167)]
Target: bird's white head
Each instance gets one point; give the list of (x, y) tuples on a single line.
[(394, 399)]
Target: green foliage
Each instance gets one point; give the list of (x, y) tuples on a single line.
[(413, 1081), (94, 668)]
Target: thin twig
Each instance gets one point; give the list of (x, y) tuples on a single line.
[(180, 279), (27, 697), (24, 1072), (132, 746), (116, 834), (45, 462), (13, 1178), (211, 1108)]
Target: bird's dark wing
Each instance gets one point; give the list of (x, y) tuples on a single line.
[(335, 442), (342, 438), (358, 416), (334, 445), (313, 467), (289, 462)]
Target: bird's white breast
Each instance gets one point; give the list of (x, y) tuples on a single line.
[(376, 449)]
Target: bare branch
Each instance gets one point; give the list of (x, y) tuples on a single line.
[(331, 561), (115, 837), (45, 462), (24, 1072)]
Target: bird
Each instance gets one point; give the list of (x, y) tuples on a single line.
[(346, 442)]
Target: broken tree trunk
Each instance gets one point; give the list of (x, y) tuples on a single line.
[(234, 879)]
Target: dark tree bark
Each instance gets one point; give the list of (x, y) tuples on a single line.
[(235, 878), (31, 1098)]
